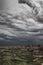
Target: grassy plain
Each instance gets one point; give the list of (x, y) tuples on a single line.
[(12, 55)]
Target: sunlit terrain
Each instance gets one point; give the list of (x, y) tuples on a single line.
[(21, 55)]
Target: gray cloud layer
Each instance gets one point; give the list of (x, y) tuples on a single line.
[(24, 26)]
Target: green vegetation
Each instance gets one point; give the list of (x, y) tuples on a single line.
[(16, 56)]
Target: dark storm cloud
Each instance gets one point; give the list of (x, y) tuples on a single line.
[(22, 28)]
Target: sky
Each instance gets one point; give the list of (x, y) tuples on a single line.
[(22, 28), (10, 6)]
